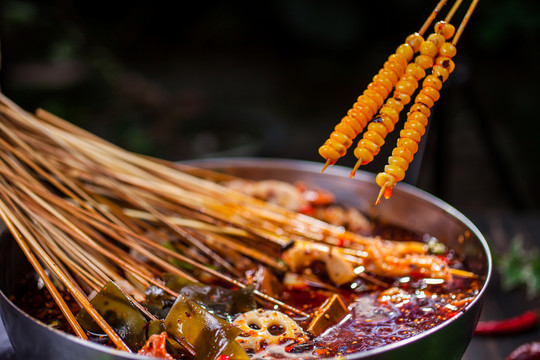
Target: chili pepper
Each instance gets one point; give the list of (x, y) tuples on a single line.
[(516, 324), (528, 351)]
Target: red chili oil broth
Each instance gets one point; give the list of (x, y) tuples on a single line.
[(370, 325)]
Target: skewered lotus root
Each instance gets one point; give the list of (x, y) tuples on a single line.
[(266, 327)]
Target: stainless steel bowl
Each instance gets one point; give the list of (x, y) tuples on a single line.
[(408, 207)]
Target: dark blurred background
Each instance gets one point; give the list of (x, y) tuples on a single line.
[(271, 79)]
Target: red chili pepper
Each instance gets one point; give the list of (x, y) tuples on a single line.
[(516, 324), (526, 351), (224, 357)]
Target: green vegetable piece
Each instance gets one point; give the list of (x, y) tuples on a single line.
[(220, 301), (158, 302), (119, 312), (175, 282), (209, 335), (155, 327), (235, 351)]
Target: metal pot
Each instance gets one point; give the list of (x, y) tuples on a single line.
[(408, 207)]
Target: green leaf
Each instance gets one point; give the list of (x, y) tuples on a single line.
[(520, 267)]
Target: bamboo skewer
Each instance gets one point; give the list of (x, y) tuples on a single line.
[(432, 17), (464, 22), (79, 296)]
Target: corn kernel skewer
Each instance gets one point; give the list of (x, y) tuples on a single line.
[(374, 96), (417, 118)]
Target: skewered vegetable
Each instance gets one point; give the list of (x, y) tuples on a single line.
[(384, 123), (373, 98), (415, 126), (435, 55), (369, 102)]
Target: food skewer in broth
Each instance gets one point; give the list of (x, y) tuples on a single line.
[(374, 96)]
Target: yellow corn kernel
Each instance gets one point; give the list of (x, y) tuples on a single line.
[(437, 39), (419, 116), (416, 107), (374, 137), (346, 129), (405, 87), (445, 29), (395, 67), (364, 154), (397, 172), (378, 127), (406, 51), (379, 100), (390, 112), (410, 134), (441, 72), (424, 61), (390, 75), (409, 144), (432, 81), (429, 49), (424, 99), (415, 70), (398, 161), (414, 40), (447, 49), (384, 81), (341, 138), (395, 104)]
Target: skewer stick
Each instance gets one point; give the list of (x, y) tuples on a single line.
[(381, 192), (326, 165), (101, 168), (464, 22), (432, 17), (453, 10), (80, 297), (60, 218), (6, 217), (464, 273)]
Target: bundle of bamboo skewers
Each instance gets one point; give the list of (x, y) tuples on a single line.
[(86, 212)]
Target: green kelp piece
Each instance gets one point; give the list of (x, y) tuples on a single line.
[(158, 302), (220, 301), (235, 351), (119, 312), (209, 335)]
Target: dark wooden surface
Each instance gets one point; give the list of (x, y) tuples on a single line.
[(499, 230)]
